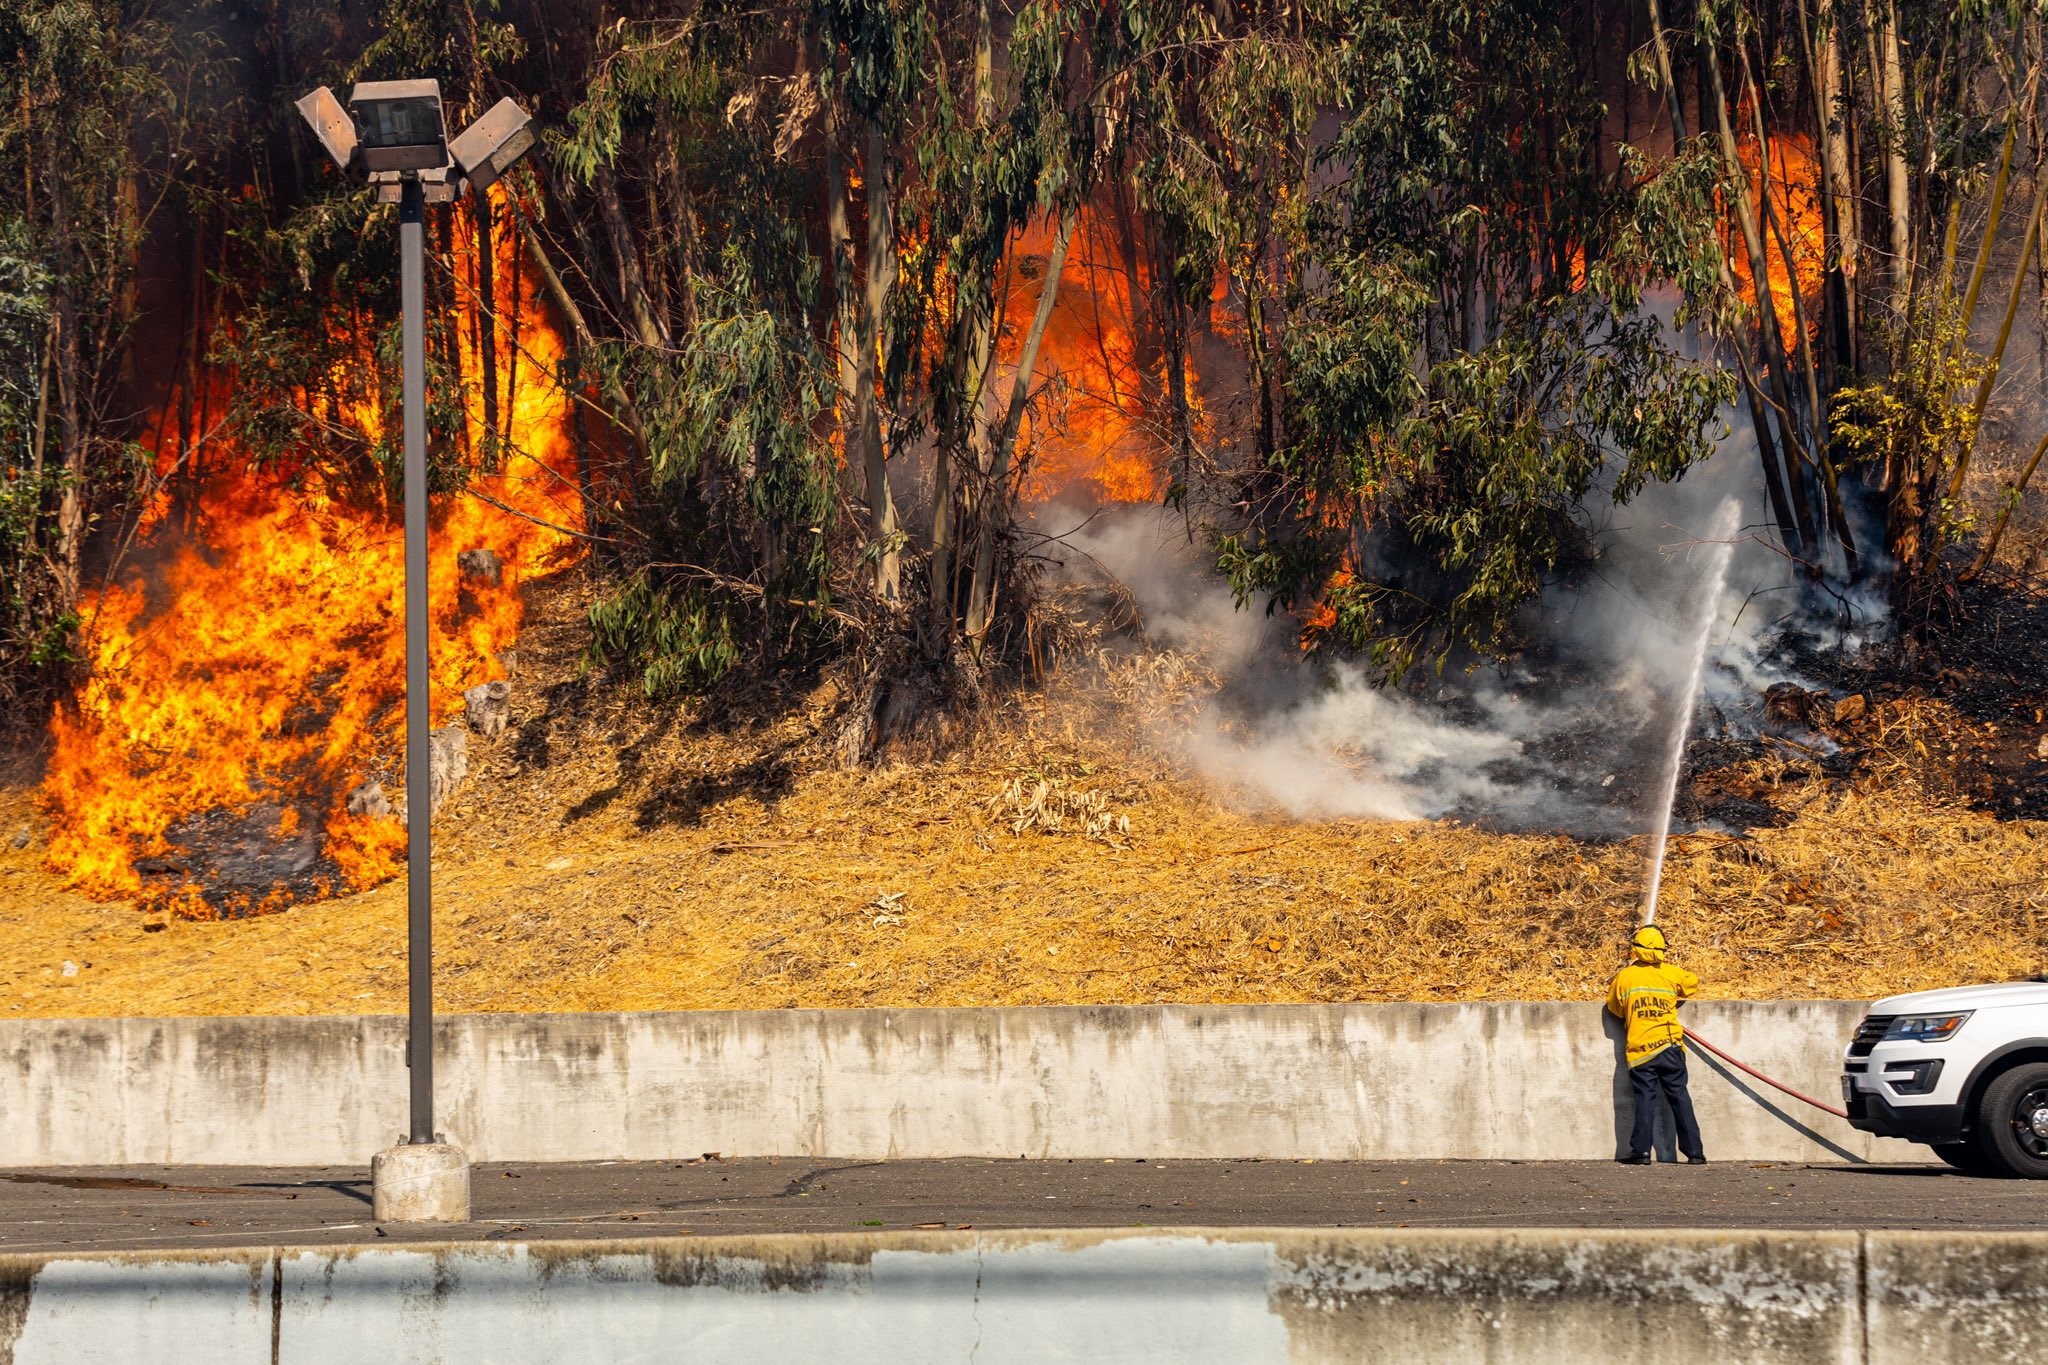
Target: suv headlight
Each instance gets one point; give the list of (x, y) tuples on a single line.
[(1925, 1028)]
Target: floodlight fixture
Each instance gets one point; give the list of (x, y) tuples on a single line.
[(332, 125), (493, 144), (398, 125)]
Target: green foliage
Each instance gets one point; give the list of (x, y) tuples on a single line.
[(1466, 349), (453, 40), (24, 349), (35, 624), (733, 463), (647, 72), (1914, 424), (310, 286), (725, 539), (1443, 306), (1220, 130), (679, 639), (886, 43), (99, 101), (53, 643)]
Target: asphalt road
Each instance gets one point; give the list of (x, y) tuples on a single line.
[(204, 1206)]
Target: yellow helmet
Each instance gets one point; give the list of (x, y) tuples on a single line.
[(1649, 936)]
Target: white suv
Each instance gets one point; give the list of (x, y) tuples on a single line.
[(1964, 1071)]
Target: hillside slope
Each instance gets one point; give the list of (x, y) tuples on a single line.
[(606, 854)]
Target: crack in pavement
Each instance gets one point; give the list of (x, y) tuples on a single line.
[(802, 1184), (979, 1247)]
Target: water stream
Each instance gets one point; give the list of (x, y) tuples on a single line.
[(1713, 580)]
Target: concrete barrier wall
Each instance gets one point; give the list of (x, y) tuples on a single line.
[(1234, 1297), (1523, 1081)]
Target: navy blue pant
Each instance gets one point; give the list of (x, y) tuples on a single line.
[(1663, 1074)]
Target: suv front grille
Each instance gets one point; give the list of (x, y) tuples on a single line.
[(1868, 1033)]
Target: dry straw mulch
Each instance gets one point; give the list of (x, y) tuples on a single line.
[(900, 888), (609, 855)]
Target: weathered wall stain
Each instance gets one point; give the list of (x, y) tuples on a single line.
[(1235, 1297), (17, 1281), (1368, 1082)]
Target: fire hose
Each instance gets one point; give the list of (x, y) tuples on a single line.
[(1747, 1069)]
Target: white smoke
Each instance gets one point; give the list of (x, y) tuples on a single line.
[(1572, 734), (1402, 763)]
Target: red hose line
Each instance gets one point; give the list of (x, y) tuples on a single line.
[(1775, 1085)]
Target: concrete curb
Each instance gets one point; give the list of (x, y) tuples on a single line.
[(1239, 1296)]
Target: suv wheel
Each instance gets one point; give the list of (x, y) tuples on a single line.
[(2012, 1121)]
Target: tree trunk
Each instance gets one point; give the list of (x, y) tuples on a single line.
[(1997, 357), (972, 338), (70, 430), (194, 339), (1662, 48), (854, 347), (1148, 346), (586, 483), (1992, 219), (1839, 222), (444, 326), (1815, 418), (587, 256), (41, 433), (281, 48), (1767, 458), (1250, 284), (996, 503), (1767, 316), (487, 323), (684, 210), (123, 275), (1898, 202), (881, 284), (515, 300), (632, 285)]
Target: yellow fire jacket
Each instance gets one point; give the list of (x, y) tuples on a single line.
[(1646, 996)]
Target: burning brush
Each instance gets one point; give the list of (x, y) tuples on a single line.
[(248, 675)]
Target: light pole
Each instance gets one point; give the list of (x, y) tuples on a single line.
[(391, 133)]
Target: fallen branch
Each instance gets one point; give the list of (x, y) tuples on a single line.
[(542, 522)]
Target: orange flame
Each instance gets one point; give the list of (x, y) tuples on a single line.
[(1319, 618), (1097, 431), (259, 676), (1792, 181)]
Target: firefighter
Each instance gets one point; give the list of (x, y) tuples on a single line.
[(1646, 996)]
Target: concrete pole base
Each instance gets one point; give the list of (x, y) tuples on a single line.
[(425, 1182)]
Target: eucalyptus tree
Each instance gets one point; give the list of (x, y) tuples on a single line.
[(102, 102), (866, 169), (1468, 343), (678, 239), (1906, 124), (1005, 145)]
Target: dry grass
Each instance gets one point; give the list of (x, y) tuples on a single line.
[(898, 889), (606, 855)]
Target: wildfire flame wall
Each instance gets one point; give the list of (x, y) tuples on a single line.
[(245, 679)]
